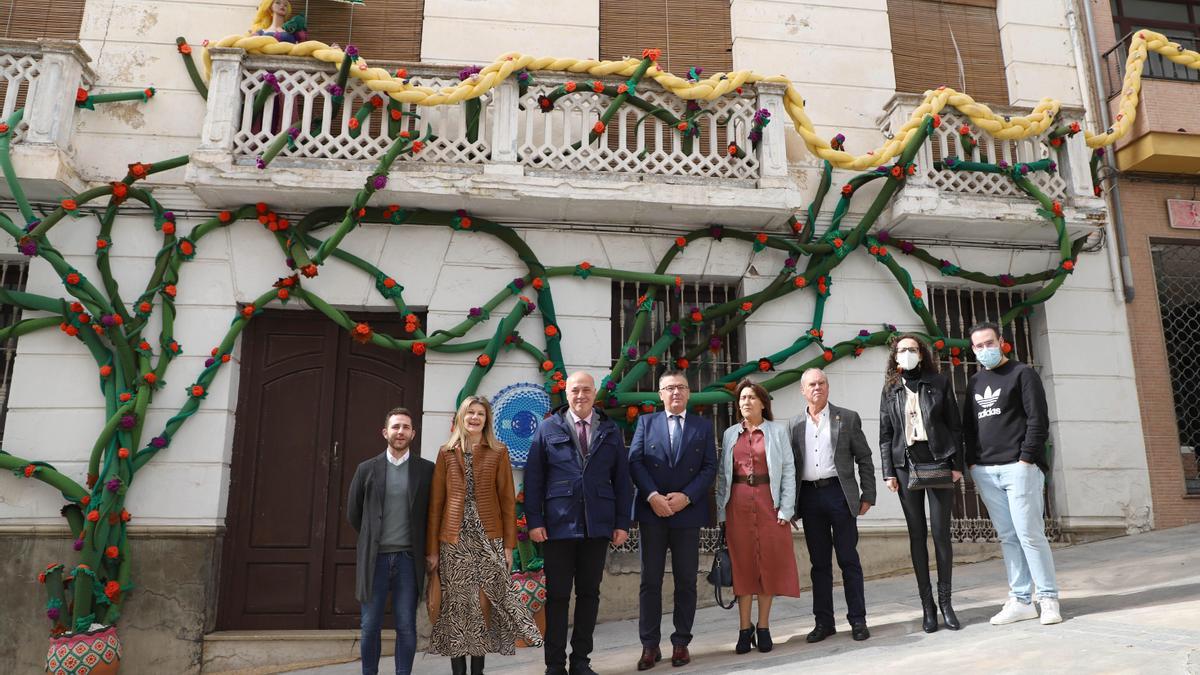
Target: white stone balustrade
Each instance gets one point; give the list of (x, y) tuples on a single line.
[(42, 77)]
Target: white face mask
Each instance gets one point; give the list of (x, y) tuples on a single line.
[(908, 360)]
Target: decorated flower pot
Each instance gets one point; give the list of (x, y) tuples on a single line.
[(96, 652), (532, 587)]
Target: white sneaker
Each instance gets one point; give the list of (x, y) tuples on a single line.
[(1050, 613), (1014, 610)]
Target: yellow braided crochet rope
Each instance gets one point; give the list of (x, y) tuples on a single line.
[(720, 84)]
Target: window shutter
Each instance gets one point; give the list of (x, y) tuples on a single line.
[(383, 30), (689, 33), (923, 49), (28, 20)]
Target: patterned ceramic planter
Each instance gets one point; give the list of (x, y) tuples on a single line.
[(95, 652)]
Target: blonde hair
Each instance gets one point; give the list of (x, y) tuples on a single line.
[(265, 17), (458, 434)]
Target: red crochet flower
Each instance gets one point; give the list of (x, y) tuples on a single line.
[(418, 348), (483, 361), (105, 370)]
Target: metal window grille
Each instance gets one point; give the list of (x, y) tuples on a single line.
[(13, 275), (1177, 274), (956, 310), (675, 304)]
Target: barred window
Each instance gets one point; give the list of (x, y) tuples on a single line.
[(13, 275), (956, 309), (1177, 275)]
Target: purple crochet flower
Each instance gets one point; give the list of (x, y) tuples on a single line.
[(475, 312), (1024, 169), (716, 231), (610, 385), (334, 89), (907, 246), (113, 485), (891, 327), (293, 132), (714, 342), (28, 247), (883, 235), (1002, 164), (676, 329), (631, 353), (529, 308), (864, 332), (522, 536), (108, 320), (379, 182), (790, 262), (523, 76), (209, 361), (762, 116), (519, 283), (158, 442), (468, 72), (612, 401), (259, 162), (1099, 152), (754, 136), (1053, 167), (52, 613), (290, 262), (128, 421), (78, 546), (169, 215), (950, 161), (944, 263), (351, 50), (270, 80), (32, 225)]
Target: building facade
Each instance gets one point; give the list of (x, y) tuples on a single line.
[(237, 528)]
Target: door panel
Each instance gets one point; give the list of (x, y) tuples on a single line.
[(310, 409)]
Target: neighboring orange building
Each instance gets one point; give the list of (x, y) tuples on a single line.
[(1159, 196)]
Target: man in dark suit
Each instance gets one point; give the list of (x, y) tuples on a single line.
[(673, 462), (827, 442), (578, 500), (388, 505)]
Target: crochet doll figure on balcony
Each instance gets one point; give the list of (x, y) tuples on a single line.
[(272, 19)]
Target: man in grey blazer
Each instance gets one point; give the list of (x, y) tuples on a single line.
[(827, 442), (388, 505)]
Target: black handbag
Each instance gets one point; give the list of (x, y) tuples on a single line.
[(721, 574), (922, 475)]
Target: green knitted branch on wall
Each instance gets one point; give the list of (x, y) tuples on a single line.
[(132, 365)]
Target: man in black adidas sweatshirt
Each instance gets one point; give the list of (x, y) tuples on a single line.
[(1005, 426)]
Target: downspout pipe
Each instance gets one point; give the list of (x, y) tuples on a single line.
[(1114, 192)]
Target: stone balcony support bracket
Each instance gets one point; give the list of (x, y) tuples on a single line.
[(224, 102), (772, 150)]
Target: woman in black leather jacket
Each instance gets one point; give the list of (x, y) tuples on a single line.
[(918, 417)]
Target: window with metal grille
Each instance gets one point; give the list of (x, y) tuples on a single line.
[(956, 310), (1177, 275), (674, 304), (12, 278)]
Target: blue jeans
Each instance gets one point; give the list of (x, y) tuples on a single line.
[(1013, 496), (395, 575)]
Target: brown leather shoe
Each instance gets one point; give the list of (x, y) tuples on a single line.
[(680, 656), (650, 656)]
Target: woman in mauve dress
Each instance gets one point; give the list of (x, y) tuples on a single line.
[(471, 533), (756, 499)]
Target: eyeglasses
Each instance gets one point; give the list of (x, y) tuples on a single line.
[(672, 388), (908, 350)]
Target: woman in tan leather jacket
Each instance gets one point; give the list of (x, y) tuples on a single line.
[(469, 542)]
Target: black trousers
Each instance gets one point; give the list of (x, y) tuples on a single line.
[(578, 562), (830, 528), (941, 500), (684, 544)]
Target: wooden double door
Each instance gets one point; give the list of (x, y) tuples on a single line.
[(311, 406)]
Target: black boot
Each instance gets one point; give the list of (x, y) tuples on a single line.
[(745, 640), (763, 635), (947, 610), (929, 622), (476, 665), (458, 665)]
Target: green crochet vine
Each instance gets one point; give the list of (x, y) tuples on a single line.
[(132, 365)]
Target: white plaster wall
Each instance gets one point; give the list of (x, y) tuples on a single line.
[(1038, 57), (1082, 336), (478, 31)]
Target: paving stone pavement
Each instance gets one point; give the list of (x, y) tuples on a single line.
[(1130, 605)]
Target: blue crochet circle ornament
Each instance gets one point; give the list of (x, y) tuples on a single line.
[(519, 408)]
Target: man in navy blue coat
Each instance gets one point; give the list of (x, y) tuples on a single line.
[(578, 500), (673, 462)]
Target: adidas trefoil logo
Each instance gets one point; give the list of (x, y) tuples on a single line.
[(986, 401)]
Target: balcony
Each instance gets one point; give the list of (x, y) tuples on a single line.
[(1166, 134), (518, 163), (941, 203), (42, 77)]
